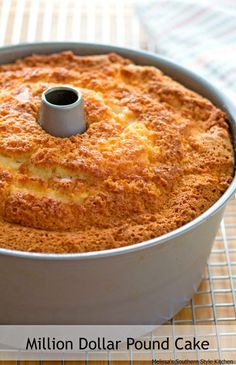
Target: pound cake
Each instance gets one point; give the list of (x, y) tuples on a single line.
[(155, 156)]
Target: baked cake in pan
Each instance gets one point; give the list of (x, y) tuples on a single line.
[(154, 157)]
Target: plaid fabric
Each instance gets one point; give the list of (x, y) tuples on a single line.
[(197, 34)]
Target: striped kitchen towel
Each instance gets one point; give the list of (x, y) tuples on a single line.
[(198, 34)]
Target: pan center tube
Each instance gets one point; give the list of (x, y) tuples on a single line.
[(61, 112)]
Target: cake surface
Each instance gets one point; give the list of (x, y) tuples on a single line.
[(154, 157)]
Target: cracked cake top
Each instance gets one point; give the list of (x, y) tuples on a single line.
[(154, 157)]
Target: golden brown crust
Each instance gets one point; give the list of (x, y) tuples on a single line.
[(155, 156)]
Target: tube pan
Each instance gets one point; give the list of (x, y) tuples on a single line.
[(146, 283)]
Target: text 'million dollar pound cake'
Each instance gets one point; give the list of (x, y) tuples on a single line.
[(155, 156)]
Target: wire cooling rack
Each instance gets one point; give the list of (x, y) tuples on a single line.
[(115, 22)]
